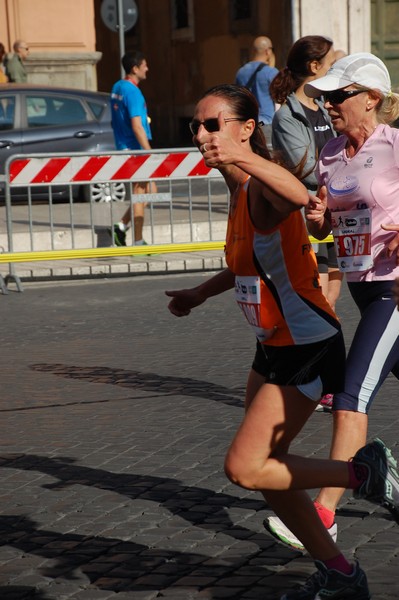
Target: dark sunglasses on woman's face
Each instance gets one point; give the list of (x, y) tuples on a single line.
[(339, 96), (211, 125)]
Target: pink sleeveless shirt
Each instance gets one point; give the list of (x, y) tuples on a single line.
[(363, 193)]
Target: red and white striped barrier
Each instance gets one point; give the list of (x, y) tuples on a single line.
[(110, 167)]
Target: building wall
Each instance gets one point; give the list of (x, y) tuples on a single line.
[(61, 38), (347, 22), (70, 45), (384, 35), (183, 66)]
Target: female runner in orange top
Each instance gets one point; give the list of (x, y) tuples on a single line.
[(300, 351)]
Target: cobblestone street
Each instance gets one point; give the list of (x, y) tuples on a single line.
[(115, 420)]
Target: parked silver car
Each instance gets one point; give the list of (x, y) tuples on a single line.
[(37, 119)]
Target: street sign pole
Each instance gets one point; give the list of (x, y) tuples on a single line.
[(121, 27), (119, 16)]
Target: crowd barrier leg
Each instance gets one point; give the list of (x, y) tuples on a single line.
[(3, 285), (11, 277)]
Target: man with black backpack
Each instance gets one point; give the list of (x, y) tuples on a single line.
[(257, 75)]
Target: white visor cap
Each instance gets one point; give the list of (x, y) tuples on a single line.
[(362, 68)]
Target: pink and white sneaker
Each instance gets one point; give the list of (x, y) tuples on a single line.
[(326, 403)]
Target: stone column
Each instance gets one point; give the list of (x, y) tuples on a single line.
[(74, 69)]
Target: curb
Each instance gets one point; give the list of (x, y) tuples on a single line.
[(117, 267)]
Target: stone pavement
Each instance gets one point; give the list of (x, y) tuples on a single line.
[(115, 420)]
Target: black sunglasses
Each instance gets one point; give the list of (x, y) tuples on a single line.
[(211, 125), (339, 96)]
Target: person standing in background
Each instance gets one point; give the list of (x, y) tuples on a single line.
[(257, 75), (132, 131), (300, 129), (15, 67), (3, 76)]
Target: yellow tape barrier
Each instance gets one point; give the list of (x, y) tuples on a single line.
[(14, 257)]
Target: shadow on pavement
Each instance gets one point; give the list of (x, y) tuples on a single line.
[(119, 564), (150, 382), (196, 505), (108, 563), (22, 592)]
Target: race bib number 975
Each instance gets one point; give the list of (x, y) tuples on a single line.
[(352, 237)]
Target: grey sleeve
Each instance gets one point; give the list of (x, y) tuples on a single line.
[(292, 139)]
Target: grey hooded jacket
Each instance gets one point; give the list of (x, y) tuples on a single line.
[(293, 136)]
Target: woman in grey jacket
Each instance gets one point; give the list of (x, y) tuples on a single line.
[(301, 127)]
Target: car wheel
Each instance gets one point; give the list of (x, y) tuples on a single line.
[(105, 192)]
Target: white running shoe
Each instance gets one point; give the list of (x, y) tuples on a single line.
[(278, 530)]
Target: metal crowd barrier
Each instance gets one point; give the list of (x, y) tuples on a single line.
[(188, 212)]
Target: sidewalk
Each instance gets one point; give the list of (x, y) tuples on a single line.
[(87, 226), (183, 262)]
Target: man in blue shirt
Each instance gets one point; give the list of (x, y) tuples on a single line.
[(131, 127), (257, 76)]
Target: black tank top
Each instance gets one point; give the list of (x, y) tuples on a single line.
[(320, 126)]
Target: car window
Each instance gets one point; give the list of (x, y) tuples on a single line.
[(7, 111), (45, 111), (97, 108)]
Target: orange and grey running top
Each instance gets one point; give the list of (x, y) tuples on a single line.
[(277, 282)]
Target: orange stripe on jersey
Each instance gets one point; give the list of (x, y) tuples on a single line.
[(289, 307)]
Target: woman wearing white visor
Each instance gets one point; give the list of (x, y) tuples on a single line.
[(358, 175)]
